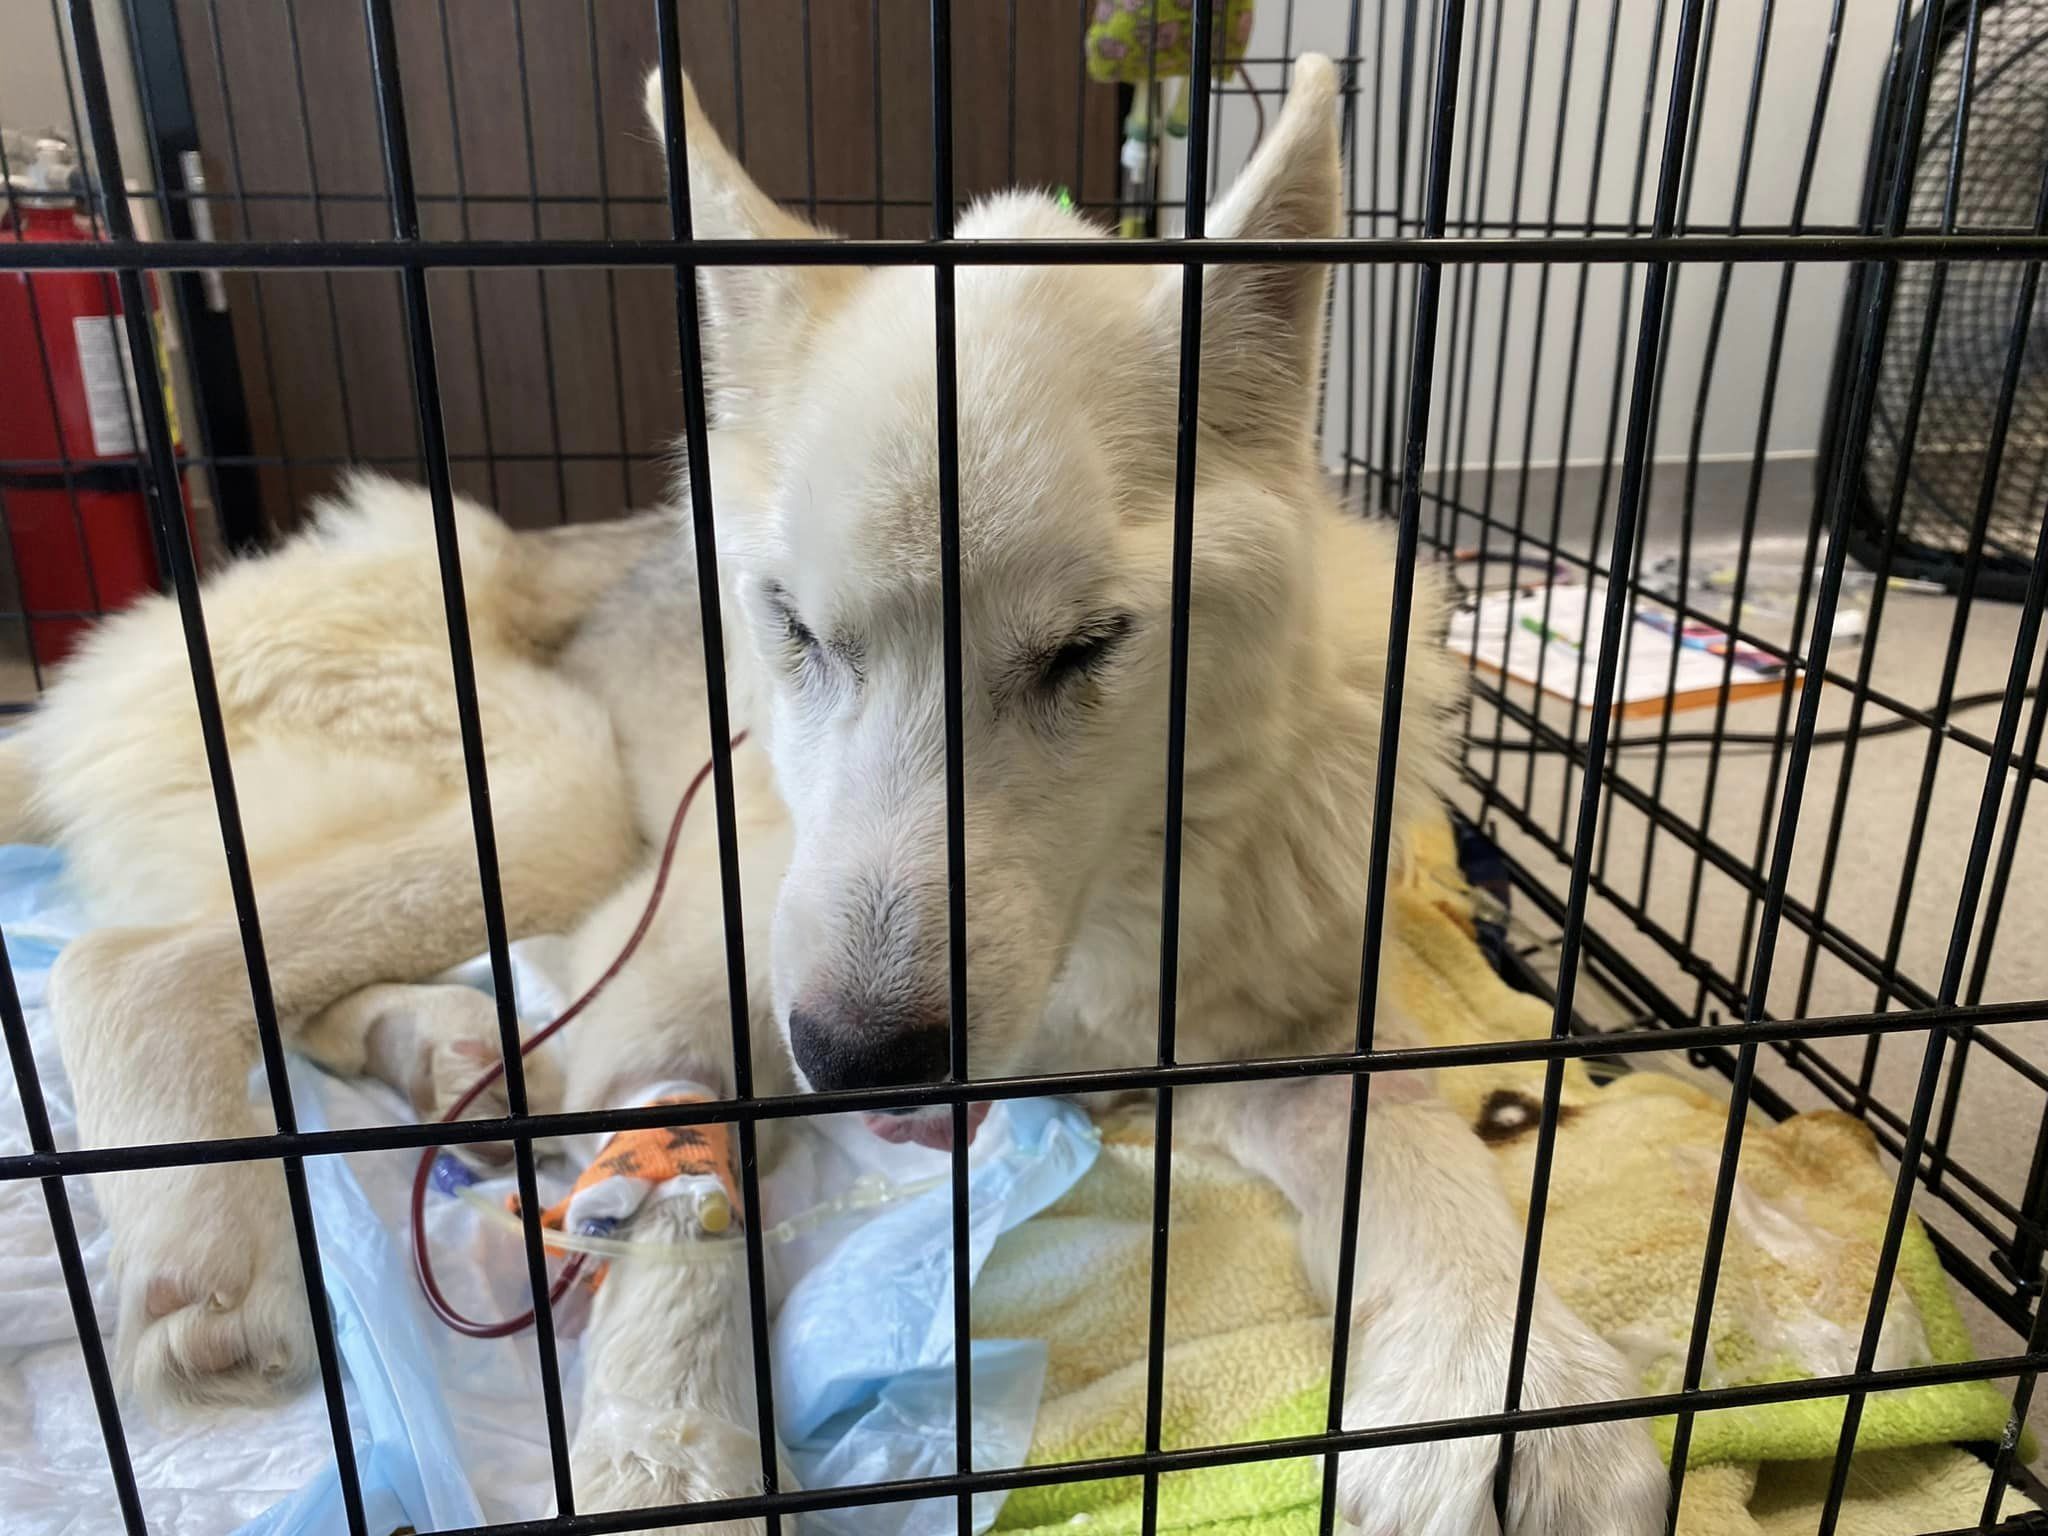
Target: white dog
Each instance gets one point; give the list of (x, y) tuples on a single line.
[(334, 678)]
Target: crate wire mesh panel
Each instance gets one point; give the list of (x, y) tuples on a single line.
[(1669, 836), (1486, 222)]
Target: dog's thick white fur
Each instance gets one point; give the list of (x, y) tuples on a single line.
[(335, 682)]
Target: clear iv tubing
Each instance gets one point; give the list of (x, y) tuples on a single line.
[(871, 1192), (423, 1264)]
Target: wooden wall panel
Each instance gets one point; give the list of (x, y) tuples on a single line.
[(559, 388)]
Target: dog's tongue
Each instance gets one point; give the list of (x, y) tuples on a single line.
[(926, 1128)]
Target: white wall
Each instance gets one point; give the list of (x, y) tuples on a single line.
[(1513, 120), (31, 87), (33, 97)]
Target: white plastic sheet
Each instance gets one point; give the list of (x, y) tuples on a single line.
[(449, 1431)]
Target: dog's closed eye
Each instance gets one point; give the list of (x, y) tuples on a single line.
[(1082, 652), (797, 632), (804, 654)]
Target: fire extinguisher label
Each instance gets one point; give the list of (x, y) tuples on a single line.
[(111, 398)]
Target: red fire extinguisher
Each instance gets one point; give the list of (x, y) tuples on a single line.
[(72, 456)]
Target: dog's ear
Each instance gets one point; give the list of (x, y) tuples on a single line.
[(1262, 327), (757, 318)]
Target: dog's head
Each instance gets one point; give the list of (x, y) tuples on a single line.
[(1067, 395)]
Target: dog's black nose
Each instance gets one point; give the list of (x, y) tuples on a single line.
[(842, 1045)]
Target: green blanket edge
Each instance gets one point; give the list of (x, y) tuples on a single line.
[(1283, 1497)]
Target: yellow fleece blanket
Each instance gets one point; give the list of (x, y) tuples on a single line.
[(1248, 1345)]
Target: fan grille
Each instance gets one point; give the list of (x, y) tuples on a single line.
[(2006, 141)]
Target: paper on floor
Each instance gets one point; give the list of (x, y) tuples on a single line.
[(1549, 637)]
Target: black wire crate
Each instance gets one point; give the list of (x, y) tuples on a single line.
[(1685, 348)]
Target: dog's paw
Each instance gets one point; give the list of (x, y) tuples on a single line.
[(635, 1455), (1439, 1489), (450, 1038), (1587, 1480), (212, 1299), (1602, 1479)]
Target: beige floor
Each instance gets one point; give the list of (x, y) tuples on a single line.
[(2000, 1113)]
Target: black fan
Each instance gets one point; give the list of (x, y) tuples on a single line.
[(1929, 473)]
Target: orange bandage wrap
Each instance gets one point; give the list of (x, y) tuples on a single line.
[(636, 1167)]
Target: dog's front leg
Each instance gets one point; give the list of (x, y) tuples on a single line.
[(669, 1410), (668, 1400), (1433, 1305), (159, 1030), (669, 1413), (430, 1041)]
